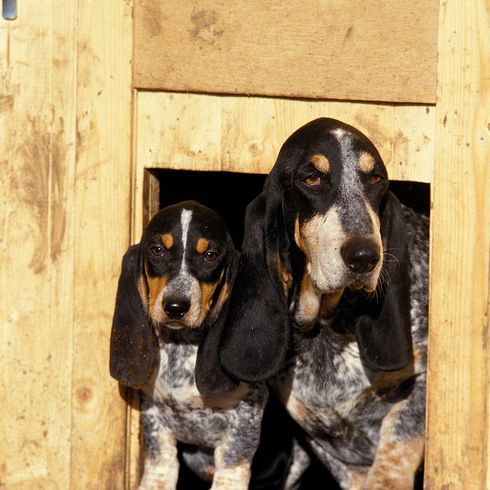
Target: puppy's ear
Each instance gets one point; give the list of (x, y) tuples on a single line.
[(384, 330), (210, 377), (134, 345), (256, 334)]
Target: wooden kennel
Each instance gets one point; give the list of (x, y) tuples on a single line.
[(94, 96)]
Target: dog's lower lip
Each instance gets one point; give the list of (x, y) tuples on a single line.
[(174, 326)]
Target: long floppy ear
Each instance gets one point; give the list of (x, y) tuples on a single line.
[(384, 330), (210, 377), (134, 345), (256, 335)]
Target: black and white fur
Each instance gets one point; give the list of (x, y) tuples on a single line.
[(331, 306), (170, 307)]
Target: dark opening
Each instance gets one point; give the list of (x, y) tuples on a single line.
[(229, 193)]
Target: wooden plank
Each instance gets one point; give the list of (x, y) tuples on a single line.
[(102, 225), (320, 49), (244, 134), (458, 390), (37, 155)]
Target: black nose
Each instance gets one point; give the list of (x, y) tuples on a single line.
[(360, 255), (176, 307)]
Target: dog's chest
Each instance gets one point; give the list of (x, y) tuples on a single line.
[(329, 378), (181, 408), (176, 373), (328, 393)]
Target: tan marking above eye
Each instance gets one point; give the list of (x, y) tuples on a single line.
[(168, 241), (320, 162), (202, 245), (366, 162)]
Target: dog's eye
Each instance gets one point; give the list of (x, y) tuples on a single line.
[(210, 255), (156, 250), (312, 181), (375, 179)]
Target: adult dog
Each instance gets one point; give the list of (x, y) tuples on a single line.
[(172, 293), (329, 249)]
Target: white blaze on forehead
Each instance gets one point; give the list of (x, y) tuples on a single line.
[(352, 202), (185, 220), (350, 178)]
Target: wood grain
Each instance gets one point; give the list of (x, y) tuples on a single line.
[(102, 228), (65, 185), (458, 391), (37, 136), (322, 49)]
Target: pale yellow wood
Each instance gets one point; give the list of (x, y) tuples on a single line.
[(37, 171), (65, 96), (244, 134), (458, 391), (102, 199), (337, 49)]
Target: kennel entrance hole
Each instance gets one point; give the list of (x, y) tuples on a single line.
[(229, 193)]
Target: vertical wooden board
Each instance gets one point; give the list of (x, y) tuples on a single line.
[(102, 205), (413, 142), (458, 382), (37, 121), (174, 131)]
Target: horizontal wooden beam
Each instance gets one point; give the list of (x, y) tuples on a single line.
[(332, 49)]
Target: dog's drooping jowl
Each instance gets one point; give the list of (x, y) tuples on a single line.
[(170, 307), (330, 306)]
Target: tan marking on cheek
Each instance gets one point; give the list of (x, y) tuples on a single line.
[(202, 245), (298, 238), (310, 235), (155, 286), (168, 241), (320, 162), (306, 235), (308, 304), (366, 162), (207, 292)]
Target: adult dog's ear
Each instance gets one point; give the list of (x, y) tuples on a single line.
[(134, 345), (257, 329), (384, 329), (210, 377)]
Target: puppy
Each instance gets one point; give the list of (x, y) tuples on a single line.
[(170, 307), (331, 256)]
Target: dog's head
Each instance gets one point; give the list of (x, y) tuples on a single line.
[(178, 277), (328, 226)]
